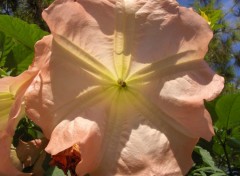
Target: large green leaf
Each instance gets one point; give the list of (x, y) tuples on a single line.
[(235, 132), (234, 143), (2, 38), (17, 40), (22, 32), (19, 59), (228, 111), (210, 106), (6, 45)]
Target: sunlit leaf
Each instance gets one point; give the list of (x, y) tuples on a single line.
[(228, 111), (218, 174), (206, 157), (24, 33), (3, 73), (19, 59), (6, 45), (212, 16), (17, 40), (205, 171)]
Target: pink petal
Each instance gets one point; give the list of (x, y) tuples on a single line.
[(160, 28), (15, 87), (29, 152), (180, 94), (11, 112), (12, 90), (86, 133), (164, 29), (42, 53), (138, 130), (49, 97), (6, 165), (132, 143), (86, 22)]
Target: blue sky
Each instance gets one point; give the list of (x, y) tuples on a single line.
[(184, 2), (226, 6)]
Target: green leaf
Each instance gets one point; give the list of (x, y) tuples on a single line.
[(17, 40), (6, 45), (54, 171), (22, 32), (210, 170), (217, 147), (228, 111), (3, 73), (218, 174), (210, 106), (212, 16), (206, 157), (234, 143), (19, 59), (202, 173), (32, 133), (235, 132)]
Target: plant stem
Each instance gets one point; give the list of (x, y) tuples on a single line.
[(227, 158), (223, 144)]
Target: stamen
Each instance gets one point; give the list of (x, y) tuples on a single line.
[(122, 83)]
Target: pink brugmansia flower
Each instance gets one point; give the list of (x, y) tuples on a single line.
[(12, 91), (126, 82)]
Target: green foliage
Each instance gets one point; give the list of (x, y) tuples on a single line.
[(54, 171), (219, 157), (221, 55), (222, 154), (228, 111), (213, 16), (31, 10), (17, 40), (22, 32), (206, 157), (204, 164), (19, 62), (26, 131), (28, 10)]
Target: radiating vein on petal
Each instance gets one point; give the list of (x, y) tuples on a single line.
[(89, 25), (177, 63), (86, 61), (123, 37)]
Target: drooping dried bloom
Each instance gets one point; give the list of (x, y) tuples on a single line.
[(67, 160), (12, 105), (126, 82)]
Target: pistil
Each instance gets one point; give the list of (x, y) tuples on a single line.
[(122, 83)]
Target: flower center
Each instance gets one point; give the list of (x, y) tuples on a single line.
[(122, 83)]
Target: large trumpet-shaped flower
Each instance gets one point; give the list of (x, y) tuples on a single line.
[(126, 82), (12, 105)]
